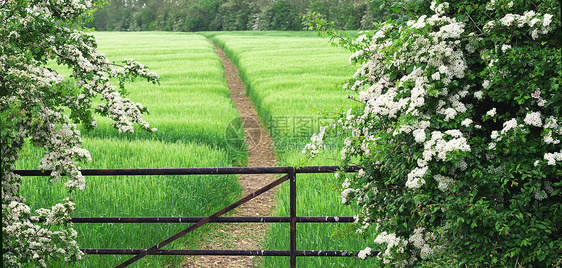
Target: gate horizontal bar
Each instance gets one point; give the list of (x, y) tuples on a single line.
[(202, 222), (196, 219), (302, 253), (193, 171)]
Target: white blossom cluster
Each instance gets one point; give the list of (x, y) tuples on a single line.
[(533, 119), (419, 240), (415, 177), (552, 158), (35, 239), (537, 24), (444, 182), (364, 253), (317, 143), (393, 243), (552, 133)]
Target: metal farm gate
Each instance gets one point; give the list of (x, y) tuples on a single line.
[(200, 221)]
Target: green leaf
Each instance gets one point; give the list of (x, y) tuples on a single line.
[(410, 69)]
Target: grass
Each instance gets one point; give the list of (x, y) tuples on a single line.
[(293, 78), (192, 102), (303, 71), (191, 109)]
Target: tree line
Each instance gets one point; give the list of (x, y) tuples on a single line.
[(233, 15)]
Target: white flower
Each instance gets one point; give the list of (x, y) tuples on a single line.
[(345, 194), (533, 119), (540, 195), (424, 124), (549, 140), (533, 22), (415, 178), (436, 76), (551, 122), (505, 47), (417, 239), (490, 5), (478, 95), (511, 124), (449, 113), (444, 182), (419, 135), (462, 165), (541, 102), (454, 132), (391, 241), (536, 94), (361, 173), (492, 112), (466, 122), (552, 158), (547, 20), (535, 34), (426, 251), (486, 84), (364, 253), (507, 19), (495, 135)]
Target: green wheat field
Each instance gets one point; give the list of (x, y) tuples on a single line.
[(294, 80)]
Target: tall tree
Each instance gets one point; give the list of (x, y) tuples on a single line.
[(191, 15)]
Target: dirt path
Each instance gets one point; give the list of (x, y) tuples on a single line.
[(243, 236)]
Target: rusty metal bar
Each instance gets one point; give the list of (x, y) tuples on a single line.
[(193, 171), (293, 216), (203, 221), (217, 220), (302, 253), (140, 253)]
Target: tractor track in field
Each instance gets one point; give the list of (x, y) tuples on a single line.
[(261, 153)]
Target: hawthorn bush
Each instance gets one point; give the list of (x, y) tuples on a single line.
[(40, 106), (457, 131)]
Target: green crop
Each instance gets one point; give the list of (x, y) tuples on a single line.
[(190, 109), (293, 79)]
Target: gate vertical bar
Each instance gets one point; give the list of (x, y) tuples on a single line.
[(293, 215)]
